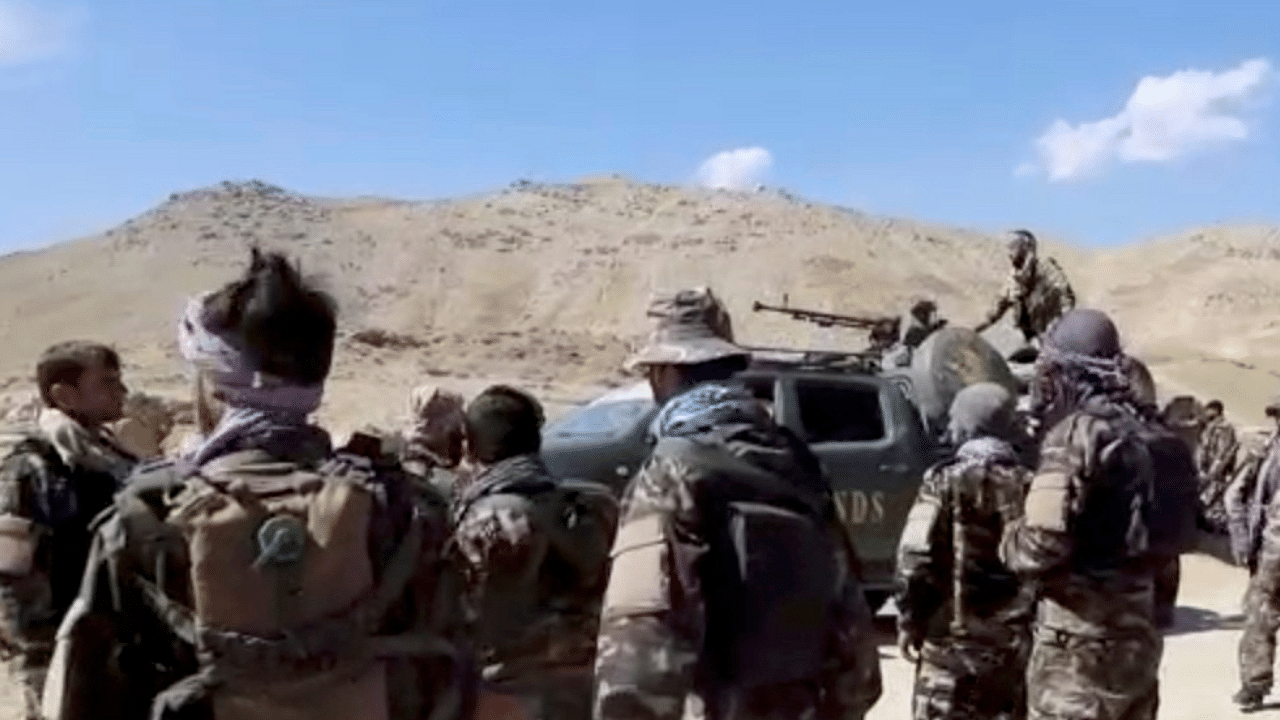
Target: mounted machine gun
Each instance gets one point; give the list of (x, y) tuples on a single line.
[(884, 331)]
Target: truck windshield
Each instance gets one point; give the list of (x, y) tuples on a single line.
[(605, 420)]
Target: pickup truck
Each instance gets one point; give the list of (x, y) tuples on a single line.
[(864, 427)]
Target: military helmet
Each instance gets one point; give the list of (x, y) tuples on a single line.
[(1086, 332), (984, 408), (692, 327)]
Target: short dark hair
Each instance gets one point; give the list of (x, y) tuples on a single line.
[(503, 422), (284, 325), (1213, 405), (67, 361)]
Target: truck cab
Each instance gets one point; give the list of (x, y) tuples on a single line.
[(869, 436)]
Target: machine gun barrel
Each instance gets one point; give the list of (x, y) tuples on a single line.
[(824, 319)]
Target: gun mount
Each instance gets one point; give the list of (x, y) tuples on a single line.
[(884, 331)]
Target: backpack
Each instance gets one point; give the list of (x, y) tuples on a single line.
[(290, 574), (1160, 479), (582, 517), (585, 515), (771, 582)]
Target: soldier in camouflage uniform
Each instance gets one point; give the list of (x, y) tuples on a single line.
[(1037, 290), (383, 636), (962, 615), (1096, 650), (60, 473), (1256, 482), (1254, 519), (682, 633), (1216, 460), (536, 636)]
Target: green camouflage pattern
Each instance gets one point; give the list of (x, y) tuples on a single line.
[(1095, 649)]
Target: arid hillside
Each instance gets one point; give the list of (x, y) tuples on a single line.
[(546, 284)]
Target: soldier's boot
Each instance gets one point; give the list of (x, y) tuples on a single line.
[(1249, 699)]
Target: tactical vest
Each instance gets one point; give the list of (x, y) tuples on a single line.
[(579, 518), (60, 507), (771, 581), (1143, 504), (281, 579)]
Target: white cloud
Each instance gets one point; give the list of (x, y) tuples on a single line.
[(29, 33), (740, 169), (1166, 118)]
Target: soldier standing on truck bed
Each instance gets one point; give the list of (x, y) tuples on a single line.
[(688, 624), (1037, 290), (964, 617)]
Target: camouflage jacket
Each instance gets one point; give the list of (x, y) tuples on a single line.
[(1039, 293), (131, 648), (1216, 451), (951, 582), (652, 663), (1074, 538), (502, 530), (51, 479), (1251, 491)]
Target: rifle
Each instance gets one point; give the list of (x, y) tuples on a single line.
[(884, 330)]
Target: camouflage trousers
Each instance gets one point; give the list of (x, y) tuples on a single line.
[(1073, 677), (970, 682), (1257, 652)]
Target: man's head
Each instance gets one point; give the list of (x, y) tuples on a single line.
[(981, 410), (264, 341), (82, 379), (691, 343), (1273, 411), (1081, 359), (1022, 247), (923, 309), (1213, 410), (503, 422)]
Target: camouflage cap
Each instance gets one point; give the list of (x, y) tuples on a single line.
[(692, 327)]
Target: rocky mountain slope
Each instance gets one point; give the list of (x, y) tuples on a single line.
[(546, 285)]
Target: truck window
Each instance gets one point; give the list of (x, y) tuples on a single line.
[(606, 421), (839, 412)]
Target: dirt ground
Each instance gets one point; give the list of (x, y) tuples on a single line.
[(1197, 675)]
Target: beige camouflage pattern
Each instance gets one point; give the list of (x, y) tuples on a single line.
[(1095, 648), (32, 606), (653, 619), (691, 327), (538, 658), (1215, 460), (973, 626), (1257, 651), (1039, 293), (1247, 498)]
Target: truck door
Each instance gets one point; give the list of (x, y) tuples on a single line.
[(872, 447)]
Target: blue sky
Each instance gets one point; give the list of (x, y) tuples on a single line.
[(929, 110)]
